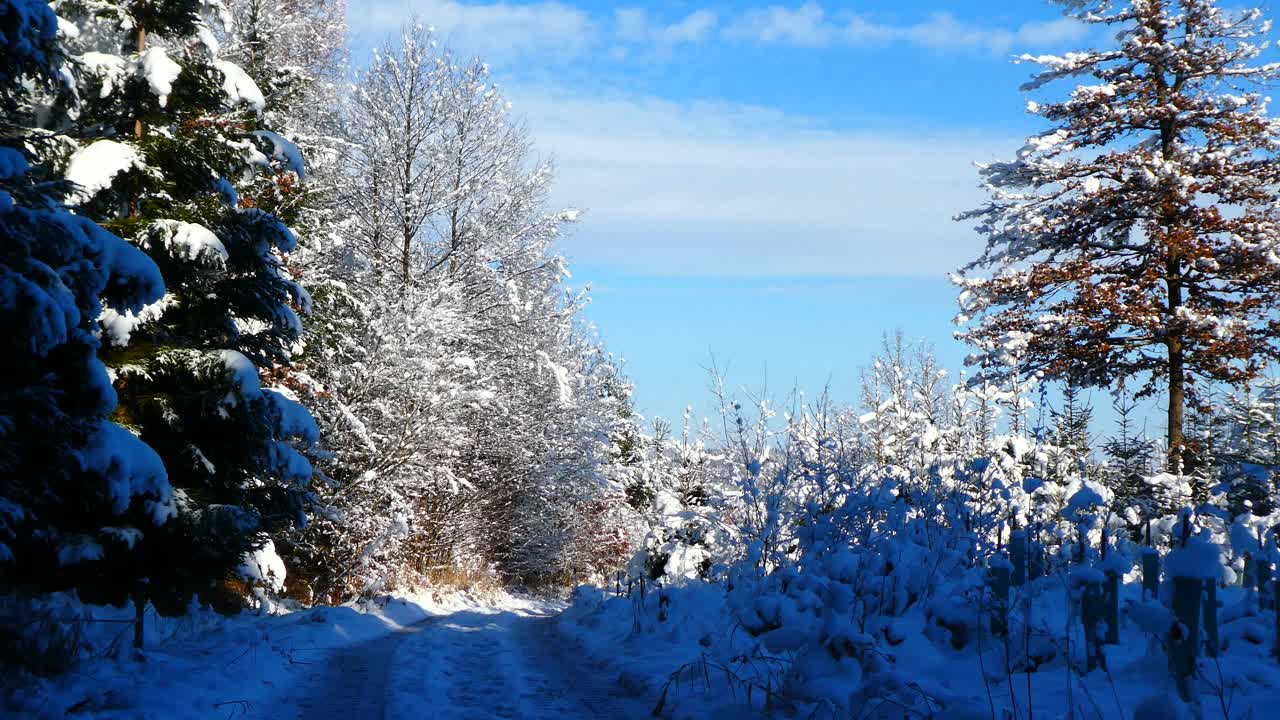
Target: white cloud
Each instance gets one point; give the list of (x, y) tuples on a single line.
[(633, 25), (497, 31), (556, 31), (1051, 32), (809, 25), (706, 188)]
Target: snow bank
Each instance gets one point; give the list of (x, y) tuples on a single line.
[(195, 664), (689, 641)]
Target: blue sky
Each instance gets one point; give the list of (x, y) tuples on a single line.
[(771, 183)]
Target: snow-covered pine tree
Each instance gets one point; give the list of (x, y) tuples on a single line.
[(1203, 457), (77, 492), (1071, 440), (904, 405), (1138, 235), (165, 134), (1129, 454), (296, 52)]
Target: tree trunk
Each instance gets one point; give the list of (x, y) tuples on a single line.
[(140, 43), (404, 257), (1173, 278), (1177, 399)]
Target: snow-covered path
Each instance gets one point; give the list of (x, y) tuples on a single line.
[(510, 662), (507, 664), (450, 656), (352, 683)]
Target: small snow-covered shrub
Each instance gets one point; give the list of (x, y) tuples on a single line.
[(40, 638), (893, 560)]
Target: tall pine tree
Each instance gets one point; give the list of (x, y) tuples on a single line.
[(170, 154), (77, 492), (1139, 235)]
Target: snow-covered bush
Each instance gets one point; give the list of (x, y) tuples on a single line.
[(846, 583)]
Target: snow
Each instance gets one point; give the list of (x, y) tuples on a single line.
[(78, 549), (1199, 558), (239, 87), (510, 658), (127, 536), (241, 372), (228, 191), (44, 304), (189, 241), (443, 654), (160, 72), (1085, 496), (195, 665), (282, 237), (560, 373), (685, 561), (284, 151), (12, 163), (109, 69), (28, 25), (118, 326), (293, 420), (264, 567), (130, 468), (94, 168), (286, 462), (628, 636)]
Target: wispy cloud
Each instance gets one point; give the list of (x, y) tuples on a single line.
[(498, 31), (556, 30), (807, 25), (810, 25), (633, 25), (713, 188)]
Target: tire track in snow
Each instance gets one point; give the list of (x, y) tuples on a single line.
[(471, 665), (568, 683), (352, 683)]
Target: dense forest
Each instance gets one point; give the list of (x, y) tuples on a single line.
[(290, 328)]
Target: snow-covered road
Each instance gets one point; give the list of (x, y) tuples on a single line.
[(433, 656), (509, 662)]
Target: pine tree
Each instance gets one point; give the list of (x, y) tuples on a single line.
[(1071, 430), (77, 492), (1129, 454), (1138, 235), (1204, 457), (1245, 466), (171, 155)]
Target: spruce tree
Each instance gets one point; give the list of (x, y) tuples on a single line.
[(1071, 431), (171, 154), (77, 492), (1129, 454)]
